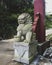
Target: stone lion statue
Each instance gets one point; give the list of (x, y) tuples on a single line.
[(24, 29)]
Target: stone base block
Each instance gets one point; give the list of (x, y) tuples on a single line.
[(25, 52)]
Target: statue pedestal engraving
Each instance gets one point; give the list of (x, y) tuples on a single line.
[(25, 52)]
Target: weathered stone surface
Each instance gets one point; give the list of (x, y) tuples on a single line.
[(24, 52), (24, 27), (25, 43), (24, 18)]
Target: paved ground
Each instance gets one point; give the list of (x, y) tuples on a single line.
[(6, 51)]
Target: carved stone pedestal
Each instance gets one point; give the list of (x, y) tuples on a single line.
[(25, 52)]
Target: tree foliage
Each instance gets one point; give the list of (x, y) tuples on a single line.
[(9, 11)]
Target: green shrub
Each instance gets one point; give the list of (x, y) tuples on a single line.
[(8, 25)]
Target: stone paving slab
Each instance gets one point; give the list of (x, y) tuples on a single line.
[(14, 63), (5, 59), (6, 53)]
